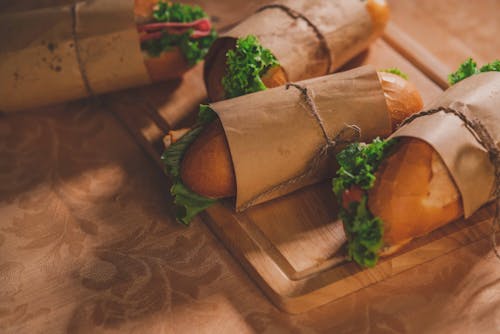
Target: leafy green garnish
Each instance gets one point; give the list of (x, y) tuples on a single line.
[(245, 65), (396, 71), (193, 49), (469, 68), (176, 12), (358, 164), (465, 70), (188, 203), (364, 233), (494, 66)]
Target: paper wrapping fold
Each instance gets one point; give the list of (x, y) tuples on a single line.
[(477, 97), (345, 25), (273, 136), (61, 53)]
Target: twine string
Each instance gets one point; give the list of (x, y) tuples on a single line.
[(76, 41), (323, 45), (321, 153)]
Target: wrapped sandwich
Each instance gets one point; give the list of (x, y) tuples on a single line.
[(93, 47), (173, 36), (291, 41), (441, 164), (263, 145)]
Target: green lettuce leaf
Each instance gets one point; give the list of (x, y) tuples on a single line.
[(193, 49), (188, 203), (491, 67), (358, 164), (396, 71), (364, 233), (465, 70), (469, 68), (245, 66), (176, 12)]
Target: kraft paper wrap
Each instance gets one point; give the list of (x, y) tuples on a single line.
[(56, 54), (344, 29), (478, 98), (274, 136)]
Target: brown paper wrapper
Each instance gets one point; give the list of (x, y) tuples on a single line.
[(345, 26), (478, 98), (274, 137), (56, 54)]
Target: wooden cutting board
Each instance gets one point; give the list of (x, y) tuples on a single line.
[(293, 247)]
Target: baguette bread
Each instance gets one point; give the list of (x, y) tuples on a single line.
[(413, 194), (401, 96), (169, 65), (207, 166)]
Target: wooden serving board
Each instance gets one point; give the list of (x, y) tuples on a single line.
[(293, 246)]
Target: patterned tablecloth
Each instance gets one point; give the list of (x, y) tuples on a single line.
[(88, 244)]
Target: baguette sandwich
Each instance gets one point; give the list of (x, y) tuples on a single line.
[(238, 66), (201, 159), (392, 191), (173, 37)]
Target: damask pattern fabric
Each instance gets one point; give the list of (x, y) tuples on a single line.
[(88, 243)]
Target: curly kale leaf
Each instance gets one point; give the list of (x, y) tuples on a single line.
[(364, 233), (176, 12), (245, 65), (469, 68), (358, 165)]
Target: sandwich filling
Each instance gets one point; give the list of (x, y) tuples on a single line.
[(177, 25), (188, 203), (245, 66), (358, 164), (469, 68)]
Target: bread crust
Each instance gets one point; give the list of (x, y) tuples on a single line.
[(379, 12), (274, 77), (413, 194), (207, 167), (169, 65), (401, 96)]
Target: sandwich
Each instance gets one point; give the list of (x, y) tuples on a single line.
[(427, 173), (290, 42), (173, 36), (200, 162)]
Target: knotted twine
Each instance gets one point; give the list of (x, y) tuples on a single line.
[(323, 45), (479, 131), (322, 152)]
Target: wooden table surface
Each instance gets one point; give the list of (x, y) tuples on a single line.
[(88, 242)]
